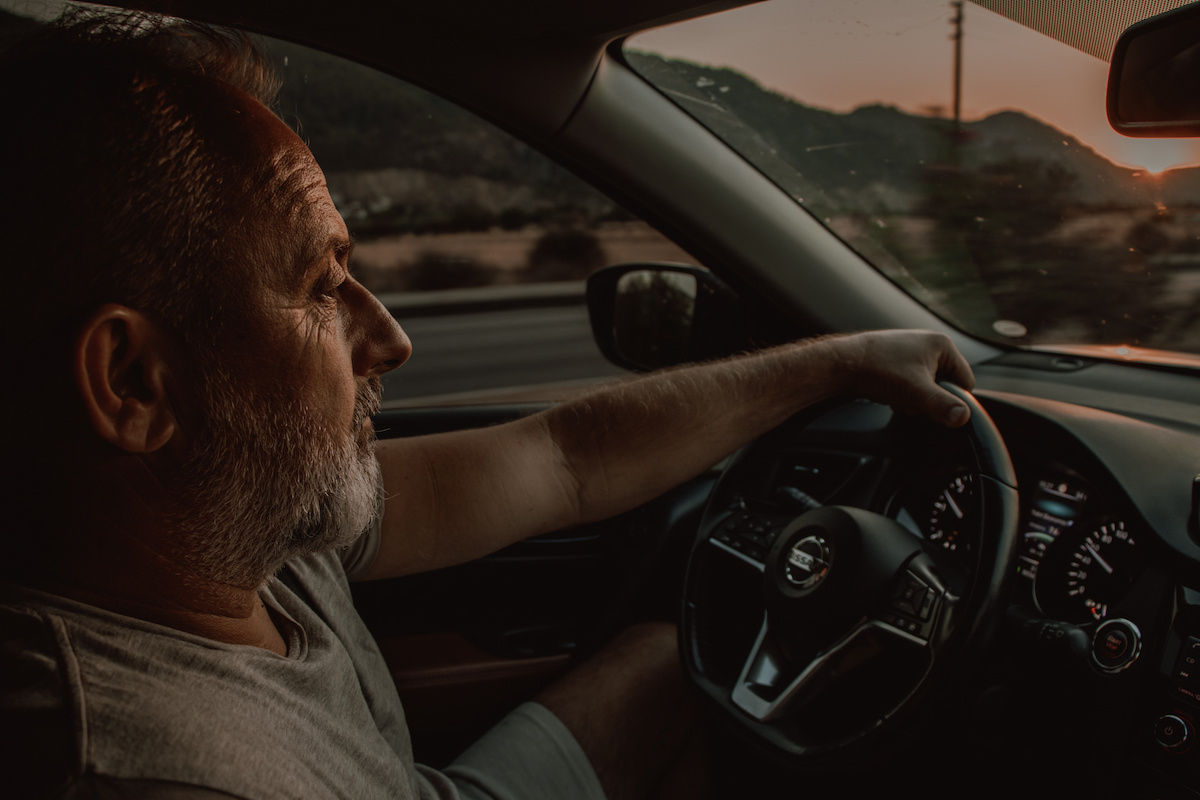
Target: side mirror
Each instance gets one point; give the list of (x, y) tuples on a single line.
[(1154, 78), (648, 316)]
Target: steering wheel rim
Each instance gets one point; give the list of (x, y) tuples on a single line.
[(863, 558)]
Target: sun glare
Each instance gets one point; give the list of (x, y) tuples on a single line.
[(1158, 155)]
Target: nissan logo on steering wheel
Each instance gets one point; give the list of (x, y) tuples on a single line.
[(807, 562)]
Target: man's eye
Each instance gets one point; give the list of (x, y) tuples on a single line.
[(331, 292)]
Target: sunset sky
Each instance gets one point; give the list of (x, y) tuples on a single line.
[(841, 54)]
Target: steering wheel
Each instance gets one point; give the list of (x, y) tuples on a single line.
[(855, 618)]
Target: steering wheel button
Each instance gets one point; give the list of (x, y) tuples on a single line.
[(903, 606), (926, 606)]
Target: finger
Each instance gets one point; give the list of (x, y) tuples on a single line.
[(954, 368)]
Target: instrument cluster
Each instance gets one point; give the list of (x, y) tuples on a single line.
[(1078, 557)]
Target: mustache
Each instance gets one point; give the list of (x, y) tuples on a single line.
[(367, 402)]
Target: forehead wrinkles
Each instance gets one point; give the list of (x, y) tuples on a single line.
[(297, 177), (291, 196)]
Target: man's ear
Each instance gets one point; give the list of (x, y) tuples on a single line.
[(121, 369)]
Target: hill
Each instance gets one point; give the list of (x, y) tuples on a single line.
[(875, 158)]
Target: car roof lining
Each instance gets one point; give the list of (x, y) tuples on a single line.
[(526, 67), (1092, 27)]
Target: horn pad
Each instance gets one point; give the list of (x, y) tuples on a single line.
[(827, 570)]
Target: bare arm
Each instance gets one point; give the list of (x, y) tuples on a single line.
[(458, 496)]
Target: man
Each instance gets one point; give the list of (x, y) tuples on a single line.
[(210, 368)]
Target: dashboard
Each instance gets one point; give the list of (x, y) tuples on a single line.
[(1102, 632)]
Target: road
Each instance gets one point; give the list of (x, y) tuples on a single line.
[(467, 353)]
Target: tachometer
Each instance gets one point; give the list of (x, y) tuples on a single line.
[(1085, 574)]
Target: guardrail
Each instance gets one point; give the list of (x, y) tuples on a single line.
[(484, 299)]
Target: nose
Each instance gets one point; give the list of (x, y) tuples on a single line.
[(380, 344)]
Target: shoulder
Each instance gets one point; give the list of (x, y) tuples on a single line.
[(38, 704)]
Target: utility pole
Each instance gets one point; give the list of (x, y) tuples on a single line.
[(957, 22)]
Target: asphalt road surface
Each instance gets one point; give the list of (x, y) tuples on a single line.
[(473, 353)]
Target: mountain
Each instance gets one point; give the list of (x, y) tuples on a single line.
[(876, 158)]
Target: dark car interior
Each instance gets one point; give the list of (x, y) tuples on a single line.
[(1026, 614)]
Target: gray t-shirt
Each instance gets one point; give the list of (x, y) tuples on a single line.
[(89, 698)]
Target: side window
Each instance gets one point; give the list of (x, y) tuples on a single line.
[(478, 244)]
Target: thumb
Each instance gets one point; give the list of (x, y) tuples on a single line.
[(944, 407)]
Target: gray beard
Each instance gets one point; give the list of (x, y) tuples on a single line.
[(270, 483)]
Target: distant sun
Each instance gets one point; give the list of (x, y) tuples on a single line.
[(1159, 155)]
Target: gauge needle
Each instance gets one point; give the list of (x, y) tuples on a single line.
[(957, 511), (1096, 556)]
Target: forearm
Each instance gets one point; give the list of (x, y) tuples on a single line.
[(454, 497), (633, 441)]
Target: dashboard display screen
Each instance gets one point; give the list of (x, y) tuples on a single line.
[(1055, 507)]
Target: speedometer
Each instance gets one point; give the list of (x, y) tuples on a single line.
[(1087, 572), (951, 517)]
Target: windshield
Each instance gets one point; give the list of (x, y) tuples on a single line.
[(965, 156)]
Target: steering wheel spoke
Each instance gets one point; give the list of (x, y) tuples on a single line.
[(769, 689), (908, 623)]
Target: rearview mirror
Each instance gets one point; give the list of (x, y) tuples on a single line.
[(1154, 78), (649, 316)]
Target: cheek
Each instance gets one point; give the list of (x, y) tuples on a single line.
[(315, 369), (326, 379)]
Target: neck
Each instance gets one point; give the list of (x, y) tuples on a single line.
[(223, 614), (125, 564)]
